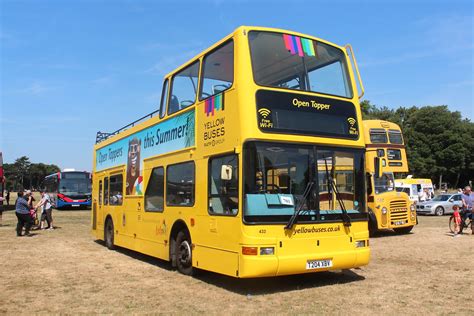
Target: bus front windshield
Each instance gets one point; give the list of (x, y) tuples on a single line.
[(277, 175), (298, 63), (74, 186), (385, 183)]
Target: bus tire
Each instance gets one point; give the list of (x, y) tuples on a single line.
[(184, 253), (403, 230), (109, 234), (373, 229)]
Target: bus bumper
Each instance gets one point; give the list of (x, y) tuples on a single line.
[(269, 266), (62, 204)]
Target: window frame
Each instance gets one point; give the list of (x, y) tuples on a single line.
[(164, 98), (170, 93), (378, 131), (109, 191), (164, 191), (203, 68), (346, 58), (395, 132), (101, 193), (209, 175), (106, 191), (194, 183)]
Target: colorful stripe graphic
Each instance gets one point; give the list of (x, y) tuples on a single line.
[(298, 45), (214, 104)]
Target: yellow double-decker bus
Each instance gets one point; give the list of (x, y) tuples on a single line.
[(253, 166), (388, 209)]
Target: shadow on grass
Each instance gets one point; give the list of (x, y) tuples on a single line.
[(388, 233), (271, 285), (139, 256), (255, 286)]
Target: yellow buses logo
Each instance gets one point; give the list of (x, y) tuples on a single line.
[(264, 112)]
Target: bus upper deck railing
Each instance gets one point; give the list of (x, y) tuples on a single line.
[(101, 136)]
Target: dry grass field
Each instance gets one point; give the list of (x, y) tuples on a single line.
[(66, 271)]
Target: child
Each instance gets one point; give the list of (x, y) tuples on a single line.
[(457, 221)]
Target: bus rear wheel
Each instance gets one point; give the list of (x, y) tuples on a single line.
[(109, 234), (184, 253), (403, 230)]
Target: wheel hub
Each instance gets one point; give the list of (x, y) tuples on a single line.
[(185, 253)]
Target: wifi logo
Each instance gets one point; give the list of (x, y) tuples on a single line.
[(264, 112), (351, 121)]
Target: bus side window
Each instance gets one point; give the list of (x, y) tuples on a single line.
[(106, 191), (223, 193), (218, 71), (155, 191), (184, 88), (100, 192), (180, 184), (116, 190)]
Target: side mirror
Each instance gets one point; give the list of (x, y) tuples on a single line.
[(226, 172), (377, 167), (451, 200)]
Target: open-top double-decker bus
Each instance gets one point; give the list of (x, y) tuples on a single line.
[(253, 166), (388, 209)]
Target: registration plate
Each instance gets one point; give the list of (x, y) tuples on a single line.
[(399, 223), (318, 264), (75, 205)]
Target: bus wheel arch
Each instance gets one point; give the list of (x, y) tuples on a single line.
[(109, 232), (181, 248)]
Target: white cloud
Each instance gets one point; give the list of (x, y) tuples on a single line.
[(36, 88), (104, 80)]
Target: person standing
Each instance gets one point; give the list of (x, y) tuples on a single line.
[(7, 197), (47, 209), (1, 209), (22, 212), (467, 203)]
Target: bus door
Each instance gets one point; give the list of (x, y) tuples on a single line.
[(97, 207), (223, 206), (153, 217)]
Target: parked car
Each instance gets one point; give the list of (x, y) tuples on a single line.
[(439, 205)]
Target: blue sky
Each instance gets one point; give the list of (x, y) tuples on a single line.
[(71, 68)]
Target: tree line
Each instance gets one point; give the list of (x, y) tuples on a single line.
[(439, 142), (23, 174)]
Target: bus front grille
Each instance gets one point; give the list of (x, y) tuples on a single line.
[(398, 211)]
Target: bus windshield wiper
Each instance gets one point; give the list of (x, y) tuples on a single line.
[(298, 209), (345, 217)]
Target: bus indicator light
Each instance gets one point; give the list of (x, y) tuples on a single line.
[(249, 251)]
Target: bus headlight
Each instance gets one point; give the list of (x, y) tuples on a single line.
[(384, 210), (412, 207), (267, 251)]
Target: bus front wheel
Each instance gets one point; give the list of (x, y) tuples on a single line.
[(109, 234), (184, 253)]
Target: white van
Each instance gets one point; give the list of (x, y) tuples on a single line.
[(413, 187)]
